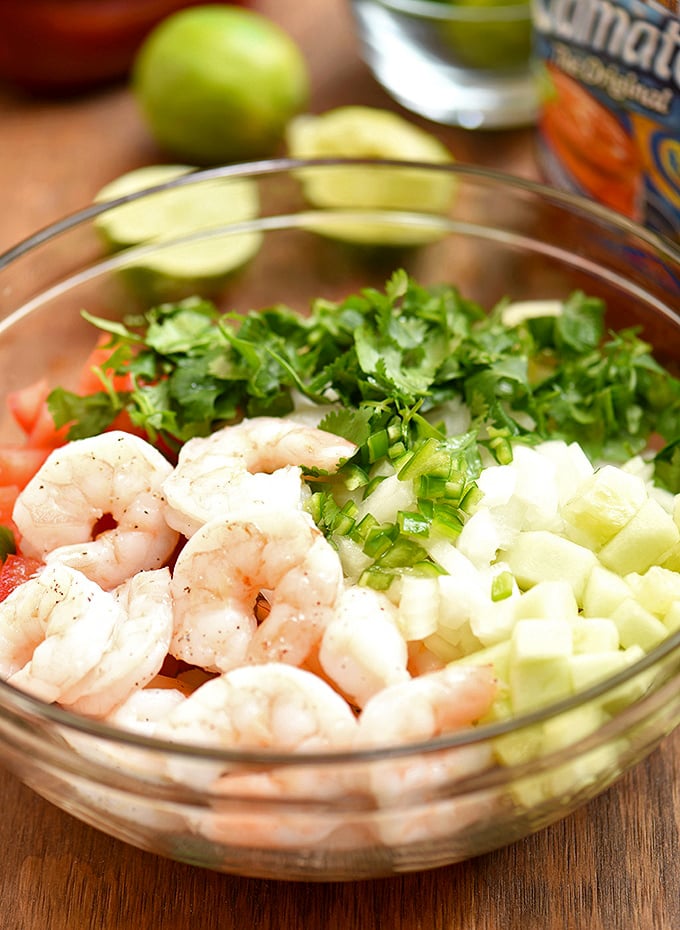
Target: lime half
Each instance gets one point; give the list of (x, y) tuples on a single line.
[(197, 257), (366, 132)]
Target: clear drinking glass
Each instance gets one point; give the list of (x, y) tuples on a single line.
[(459, 62)]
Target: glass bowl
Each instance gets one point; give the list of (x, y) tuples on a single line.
[(350, 815)]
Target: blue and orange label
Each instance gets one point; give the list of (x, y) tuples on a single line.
[(610, 121)]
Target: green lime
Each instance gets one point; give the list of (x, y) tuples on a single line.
[(219, 84), (179, 213), (367, 132), (490, 35)]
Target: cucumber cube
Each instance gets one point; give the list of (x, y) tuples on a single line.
[(538, 555), (594, 635), (571, 726), (642, 541), (497, 655), (672, 619), (637, 626), (671, 558), (624, 695), (539, 670), (657, 589), (603, 593), (552, 600), (595, 666), (603, 505)]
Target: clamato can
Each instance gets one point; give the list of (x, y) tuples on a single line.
[(609, 126)]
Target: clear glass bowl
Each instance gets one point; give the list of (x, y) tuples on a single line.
[(351, 815)]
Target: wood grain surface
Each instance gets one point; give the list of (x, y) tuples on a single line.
[(613, 865)]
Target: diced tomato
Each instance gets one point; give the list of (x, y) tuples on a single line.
[(123, 422), (44, 434), (89, 383), (8, 496), (14, 571), (29, 408), (18, 464), (26, 404)]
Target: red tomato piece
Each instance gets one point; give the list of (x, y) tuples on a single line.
[(26, 404), (18, 464), (89, 383), (14, 571), (8, 496), (44, 434)]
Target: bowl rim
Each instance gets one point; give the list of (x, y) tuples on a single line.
[(13, 699), (575, 203)]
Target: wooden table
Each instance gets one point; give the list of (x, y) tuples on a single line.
[(613, 864)]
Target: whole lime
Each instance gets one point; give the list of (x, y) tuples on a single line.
[(219, 84)]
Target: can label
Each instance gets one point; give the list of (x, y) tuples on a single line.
[(609, 126)]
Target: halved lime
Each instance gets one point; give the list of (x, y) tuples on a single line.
[(178, 216), (371, 133)]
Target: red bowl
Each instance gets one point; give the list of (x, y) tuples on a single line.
[(68, 45)]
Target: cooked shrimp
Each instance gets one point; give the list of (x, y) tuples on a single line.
[(79, 620), (137, 648), (114, 474), (97, 646), (145, 708), (362, 650), (24, 615), (273, 706), (220, 573), (256, 462), (246, 813), (427, 706), (410, 792), (416, 798)]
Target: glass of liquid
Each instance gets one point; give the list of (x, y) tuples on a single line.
[(459, 62)]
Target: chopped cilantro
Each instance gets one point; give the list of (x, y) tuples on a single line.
[(388, 361)]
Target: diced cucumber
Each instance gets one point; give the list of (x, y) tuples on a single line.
[(657, 589), (642, 541), (552, 600), (538, 555), (637, 626), (671, 558), (672, 619), (519, 747), (603, 593), (571, 726), (497, 655), (602, 506), (624, 695), (586, 669), (594, 634), (539, 669)]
